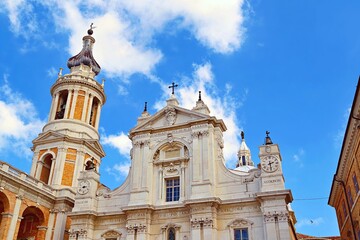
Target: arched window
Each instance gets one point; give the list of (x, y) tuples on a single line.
[(60, 109), (171, 234), (93, 112), (46, 168)]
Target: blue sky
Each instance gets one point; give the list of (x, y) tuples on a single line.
[(290, 67)]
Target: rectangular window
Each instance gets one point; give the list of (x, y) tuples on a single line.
[(172, 189), (350, 198), (241, 234), (356, 185)]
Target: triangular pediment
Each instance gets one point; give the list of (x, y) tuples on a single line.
[(52, 136), (49, 136), (95, 146), (174, 116)]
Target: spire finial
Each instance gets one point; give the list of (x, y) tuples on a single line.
[(173, 86), (199, 96), (242, 135), (145, 107), (90, 31), (268, 139)]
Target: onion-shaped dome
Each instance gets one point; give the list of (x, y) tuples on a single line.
[(85, 57)]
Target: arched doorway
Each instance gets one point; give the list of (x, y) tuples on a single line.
[(4, 208), (32, 219)]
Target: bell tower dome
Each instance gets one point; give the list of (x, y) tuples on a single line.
[(70, 139)]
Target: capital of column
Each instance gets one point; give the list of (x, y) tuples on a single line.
[(136, 227), (198, 222), (20, 197), (276, 216)]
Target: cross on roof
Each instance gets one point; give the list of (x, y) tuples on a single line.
[(173, 86)]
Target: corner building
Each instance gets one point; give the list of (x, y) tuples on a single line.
[(345, 190), (178, 186)]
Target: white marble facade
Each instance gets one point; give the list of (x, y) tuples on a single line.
[(178, 186)]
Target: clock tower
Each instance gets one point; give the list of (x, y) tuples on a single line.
[(271, 170), (69, 142)]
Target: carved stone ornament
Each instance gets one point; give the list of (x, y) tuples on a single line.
[(172, 169), (276, 216), (138, 228), (170, 225), (237, 223), (75, 233), (170, 138), (170, 115), (198, 222), (157, 155), (254, 174), (111, 234), (103, 192)]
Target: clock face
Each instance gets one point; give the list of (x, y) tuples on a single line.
[(270, 164), (84, 186)]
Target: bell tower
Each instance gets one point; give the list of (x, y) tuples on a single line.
[(69, 142)]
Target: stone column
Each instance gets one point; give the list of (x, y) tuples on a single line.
[(97, 120), (137, 165), (83, 114), (13, 223), (59, 165), (60, 225), (196, 158), (205, 155), (89, 107), (34, 163), (53, 108), (50, 225), (182, 183), (73, 104), (67, 108), (269, 227), (53, 162), (195, 229), (283, 225), (142, 233), (79, 163), (39, 169), (5, 222), (41, 232), (208, 230)]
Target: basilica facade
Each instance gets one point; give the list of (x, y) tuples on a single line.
[(178, 186)]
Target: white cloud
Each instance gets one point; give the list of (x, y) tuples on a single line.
[(122, 143), (19, 121), (119, 170), (297, 157), (310, 222), (223, 107), (126, 29)]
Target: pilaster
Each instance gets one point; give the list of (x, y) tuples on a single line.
[(50, 225), (15, 217)]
